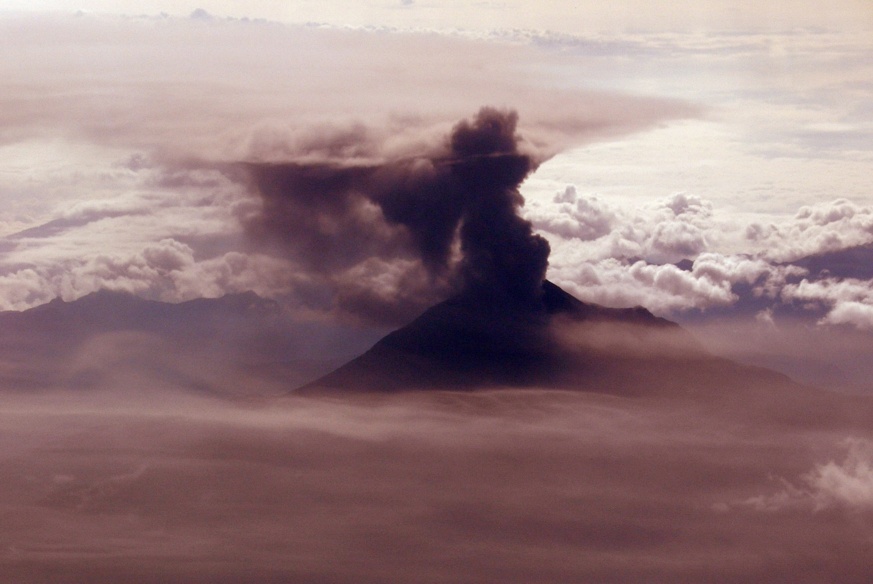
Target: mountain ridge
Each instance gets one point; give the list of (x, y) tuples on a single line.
[(211, 345)]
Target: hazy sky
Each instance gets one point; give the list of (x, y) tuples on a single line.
[(737, 135), (555, 15)]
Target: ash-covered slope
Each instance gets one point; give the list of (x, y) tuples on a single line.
[(478, 340)]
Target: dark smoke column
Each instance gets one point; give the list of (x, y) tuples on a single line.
[(501, 254), (462, 194)]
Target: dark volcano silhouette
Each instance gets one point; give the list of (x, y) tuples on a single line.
[(507, 326), (480, 340)]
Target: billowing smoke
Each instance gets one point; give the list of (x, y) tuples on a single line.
[(453, 210), (500, 249)]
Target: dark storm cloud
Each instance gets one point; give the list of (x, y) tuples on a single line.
[(455, 210)]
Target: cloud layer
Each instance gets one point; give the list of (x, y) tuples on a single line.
[(493, 487), (663, 256), (135, 165), (126, 171)]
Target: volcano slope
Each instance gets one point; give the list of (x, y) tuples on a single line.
[(477, 340)]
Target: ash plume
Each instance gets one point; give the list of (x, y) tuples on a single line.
[(453, 210), (500, 249)]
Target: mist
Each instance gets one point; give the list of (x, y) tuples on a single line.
[(832, 358), (495, 486), (147, 457)]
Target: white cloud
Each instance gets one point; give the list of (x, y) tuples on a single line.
[(668, 230), (857, 314), (573, 217), (166, 270), (660, 288), (110, 148), (814, 229), (666, 288), (621, 256), (829, 290), (24, 288), (847, 484), (849, 301)]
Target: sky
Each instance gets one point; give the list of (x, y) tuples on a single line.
[(737, 137), (707, 160)]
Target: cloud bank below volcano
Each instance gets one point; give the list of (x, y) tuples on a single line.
[(492, 487)]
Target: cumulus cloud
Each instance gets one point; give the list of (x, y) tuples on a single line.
[(857, 314), (576, 218), (667, 230), (814, 230), (709, 282), (847, 301), (663, 256), (847, 483), (661, 288), (166, 270)]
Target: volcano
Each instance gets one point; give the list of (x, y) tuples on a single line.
[(481, 340), (456, 208)]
